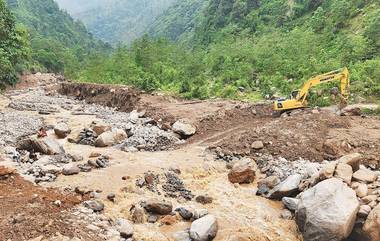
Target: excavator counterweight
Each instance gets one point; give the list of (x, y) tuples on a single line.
[(298, 99)]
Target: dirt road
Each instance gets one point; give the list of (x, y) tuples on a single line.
[(225, 131)]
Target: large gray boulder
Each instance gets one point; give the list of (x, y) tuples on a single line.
[(45, 146), (204, 229), (327, 211)]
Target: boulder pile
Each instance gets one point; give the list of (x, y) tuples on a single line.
[(330, 200)]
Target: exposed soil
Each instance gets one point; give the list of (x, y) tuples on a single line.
[(28, 211), (223, 126)]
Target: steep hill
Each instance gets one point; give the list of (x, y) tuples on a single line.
[(57, 40), (117, 20)]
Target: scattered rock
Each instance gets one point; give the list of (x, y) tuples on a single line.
[(344, 172), (62, 130), (257, 145), (290, 203), (364, 175), (204, 199), (204, 229), (96, 206), (242, 172), (158, 207), (111, 197), (364, 211), (287, 188), (125, 228), (327, 171), (353, 160), (70, 169), (184, 213), (320, 215), (183, 128)]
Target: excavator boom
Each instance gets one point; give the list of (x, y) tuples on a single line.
[(300, 100)]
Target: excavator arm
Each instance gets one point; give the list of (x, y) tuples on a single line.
[(300, 100)]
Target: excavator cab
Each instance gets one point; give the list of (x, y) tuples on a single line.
[(298, 98)]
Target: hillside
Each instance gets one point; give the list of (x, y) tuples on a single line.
[(58, 42), (116, 21), (264, 48)]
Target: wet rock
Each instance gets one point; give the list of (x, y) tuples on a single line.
[(96, 206), (344, 172), (182, 236), (125, 228), (290, 203), (204, 229), (184, 213), (62, 130), (287, 188), (203, 199), (372, 225), (353, 160), (257, 145), (242, 172), (70, 169), (183, 128), (320, 215), (364, 175), (158, 207)]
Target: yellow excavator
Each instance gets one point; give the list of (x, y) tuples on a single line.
[(298, 98)]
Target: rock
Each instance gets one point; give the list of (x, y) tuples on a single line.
[(369, 198), (62, 130), (100, 128), (185, 213), (286, 214), (76, 158), (353, 160), (204, 229), (203, 199), (158, 207), (372, 225), (96, 206), (45, 146), (95, 154), (327, 171), (181, 236), (320, 214), (242, 172), (183, 128), (152, 218), (199, 213), (110, 138), (364, 211), (111, 197), (290, 203), (70, 169), (168, 220), (138, 214), (364, 175), (257, 145), (125, 228), (361, 190), (52, 169), (287, 188), (270, 181), (344, 172)]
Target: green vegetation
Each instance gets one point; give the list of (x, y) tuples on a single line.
[(248, 48), (116, 21), (14, 49), (59, 44)]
